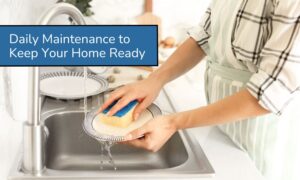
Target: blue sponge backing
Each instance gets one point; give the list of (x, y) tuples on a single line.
[(122, 111)]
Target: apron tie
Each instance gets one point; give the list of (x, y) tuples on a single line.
[(229, 73)]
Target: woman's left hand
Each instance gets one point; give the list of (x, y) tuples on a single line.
[(156, 133)]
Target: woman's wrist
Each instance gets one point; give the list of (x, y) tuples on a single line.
[(159, 78), (174, 121), (186, 119), (170, 123)]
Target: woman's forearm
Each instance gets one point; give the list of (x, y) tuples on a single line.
[(181, 61), (239, 106)]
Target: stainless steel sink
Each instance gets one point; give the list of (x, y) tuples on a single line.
[(71, 154), (69, 148)]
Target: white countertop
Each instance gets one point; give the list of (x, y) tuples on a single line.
[(229, 162)]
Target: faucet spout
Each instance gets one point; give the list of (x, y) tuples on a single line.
[(34, 133), (59, 9)]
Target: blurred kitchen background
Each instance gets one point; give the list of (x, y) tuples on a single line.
[(177, 17)]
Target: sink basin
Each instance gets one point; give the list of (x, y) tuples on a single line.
[(69, 148), (71, 154)]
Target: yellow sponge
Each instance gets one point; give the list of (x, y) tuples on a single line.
[(122, 118)]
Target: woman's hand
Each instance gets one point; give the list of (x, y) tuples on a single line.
[(155, 134), (185, 57), (144, 91)]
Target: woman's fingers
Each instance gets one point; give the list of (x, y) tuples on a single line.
[(135, 134), (144, 143), (141, 107), (139, 143), (113, 97), (155, 134), (120, 104)]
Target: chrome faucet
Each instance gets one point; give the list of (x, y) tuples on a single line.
[(34, 133)]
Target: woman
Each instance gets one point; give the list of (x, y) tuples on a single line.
[(253, 62)]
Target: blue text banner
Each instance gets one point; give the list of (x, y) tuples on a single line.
[(97, 45)]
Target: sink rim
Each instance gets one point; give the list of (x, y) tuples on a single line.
[(196, 165), (177, 172), (185, 136)]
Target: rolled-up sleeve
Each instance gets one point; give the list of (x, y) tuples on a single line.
[(277, 80), (202, 32)]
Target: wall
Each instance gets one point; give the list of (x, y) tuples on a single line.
[(173, 12)]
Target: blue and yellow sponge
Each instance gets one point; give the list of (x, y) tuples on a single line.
[(120, 119)]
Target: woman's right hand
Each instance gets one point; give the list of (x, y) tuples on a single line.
[(145, 92)]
